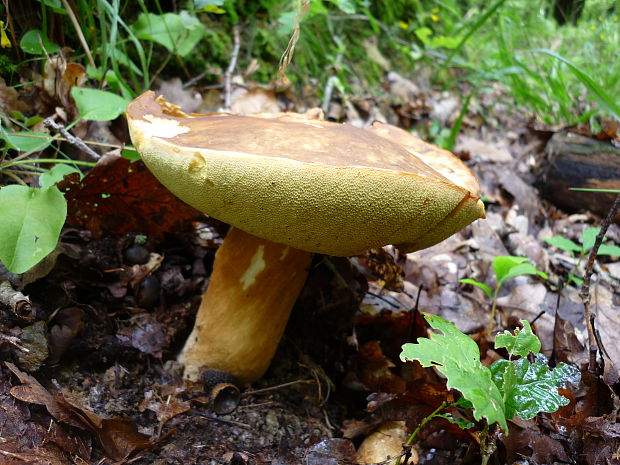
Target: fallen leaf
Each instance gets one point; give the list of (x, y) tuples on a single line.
[(483, 151), (119, 197), (255, 101), (119, 437), (373, 370), (33, 392)]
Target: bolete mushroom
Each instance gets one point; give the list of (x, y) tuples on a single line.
[(291, 186)]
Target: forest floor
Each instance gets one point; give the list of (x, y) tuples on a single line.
[(99, 382)]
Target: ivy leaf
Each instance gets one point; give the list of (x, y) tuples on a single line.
[(531, 388), (521, 343), (457, 357)]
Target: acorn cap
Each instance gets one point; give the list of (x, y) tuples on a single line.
[(315, 185)]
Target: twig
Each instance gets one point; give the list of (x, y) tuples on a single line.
[(79, 33), (79, 143), (194, 80), (18, 302), (63, 139), (15, 341), (231, 67), (584, 293), (15, 456), (279, 386)]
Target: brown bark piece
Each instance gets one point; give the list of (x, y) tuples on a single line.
[(577, 161)]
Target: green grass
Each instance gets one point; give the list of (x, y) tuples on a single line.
[(563, 75)]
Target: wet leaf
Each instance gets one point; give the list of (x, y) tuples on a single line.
[(531, 388), (457, 357), (521, 343)]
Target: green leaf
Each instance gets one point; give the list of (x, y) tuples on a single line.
[(482, 286), (502, 264), (424, 35), (130, 154), (586, 189), (521, 343), (26, 141), (56, 174), (609, 249), (578, 281), (564, 244), (533, 387), (606, 100), (31, 43), (507, 267), (98, 105), (588, 237), (55, 5), (179, 33), (457, 357), (30, 223), (346, 6), (460, 422)]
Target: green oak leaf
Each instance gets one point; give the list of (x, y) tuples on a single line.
[(531, 388), (521, 343), (457, 357)]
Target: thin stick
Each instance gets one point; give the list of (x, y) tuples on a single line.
[(279, 386), (18, 302), (231, 67), (584, 293), (13, 340), (63, 139), (79, 143), (16, 456), (78, 30)]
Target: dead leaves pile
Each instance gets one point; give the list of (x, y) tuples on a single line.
[(63, 440)]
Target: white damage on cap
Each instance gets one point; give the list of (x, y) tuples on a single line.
[(159, 127)]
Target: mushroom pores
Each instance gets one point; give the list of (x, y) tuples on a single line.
[(314, 185)]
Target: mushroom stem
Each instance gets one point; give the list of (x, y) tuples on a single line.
[(245, 309)]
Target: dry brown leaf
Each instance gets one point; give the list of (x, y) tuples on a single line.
[(119, 437)]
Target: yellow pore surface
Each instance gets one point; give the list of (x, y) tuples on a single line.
[(314, 185)]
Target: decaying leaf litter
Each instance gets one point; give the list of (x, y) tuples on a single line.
[(101, 321)]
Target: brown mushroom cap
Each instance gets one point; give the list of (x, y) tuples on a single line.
[(314, 185)]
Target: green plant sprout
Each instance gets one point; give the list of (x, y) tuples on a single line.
[(505, 267), (508, 388), (588, 237)]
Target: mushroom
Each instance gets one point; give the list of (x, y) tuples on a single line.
[(291, 186)]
